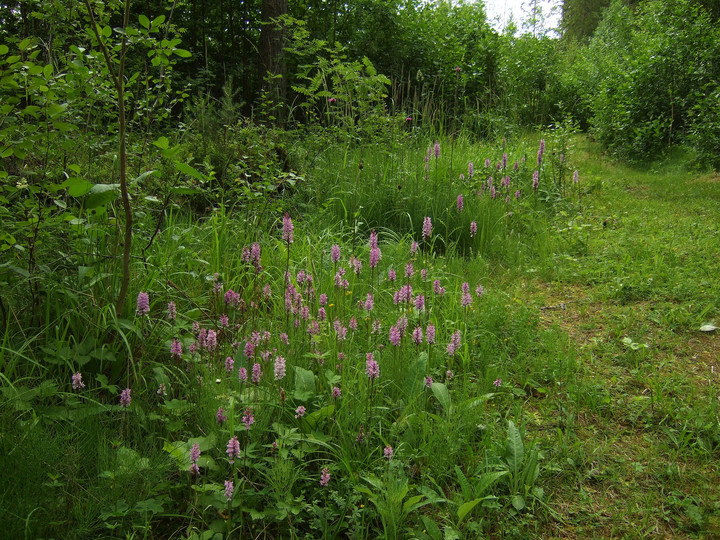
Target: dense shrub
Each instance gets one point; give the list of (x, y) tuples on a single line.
[(641, 73)]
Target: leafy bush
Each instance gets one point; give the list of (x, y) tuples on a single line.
[(640, 74)]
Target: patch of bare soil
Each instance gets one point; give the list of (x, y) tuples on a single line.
[(573, 309), (623, 497), (712, 178)]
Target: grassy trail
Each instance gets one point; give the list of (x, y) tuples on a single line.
[(636, 436)]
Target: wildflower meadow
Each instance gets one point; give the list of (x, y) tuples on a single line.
[(360, 270)]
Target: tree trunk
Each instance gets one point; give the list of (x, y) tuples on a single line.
[(272, 64)]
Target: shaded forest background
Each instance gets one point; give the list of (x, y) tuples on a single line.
[(639, 75)]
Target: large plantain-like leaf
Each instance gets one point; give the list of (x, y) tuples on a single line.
[(443, 395), (416, 377), (304, 384), (514, 450)]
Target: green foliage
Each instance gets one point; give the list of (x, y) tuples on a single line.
[(703, 132), (528, 69), (580, 18), (640, 75), (270, 338), (345, 96), (389, 497), (58, 194)]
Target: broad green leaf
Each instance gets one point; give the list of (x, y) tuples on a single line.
[(182, 53), (304, 384), (162, 142), (4, 49), (190, 171), (101, 194), (8, 239), (30, 110), (413, 503), (24, 44), (487, 480), (157, 21), (442, 394), (474, 402), (415, 378), (144, 21), (465, 508), (102, 188), (181, 190), (313, 418), (55, 109), (47, 71), (143, 176), (518, 501), (431, 527), (107, 31), (77, 187), (20, 271), (175, 449), (514, 449), (152, 506), (467, 490), (532, 468)]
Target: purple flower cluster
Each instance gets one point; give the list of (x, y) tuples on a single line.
[(404, 294), (372, 369), (232, 298), (325, 477), (427, 228), (248, 418), (369, 302), (466, 300), (77, 382), (395, 335), (454, 343), (143, 304), (256, 373), (194, 457), (233, 449), (287, 229), (279, 368), (417, 335), (356, 265), (430, 333)]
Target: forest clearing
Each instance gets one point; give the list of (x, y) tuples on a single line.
[(312, 289)]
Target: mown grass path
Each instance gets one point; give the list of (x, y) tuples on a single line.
[(636, 437)]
